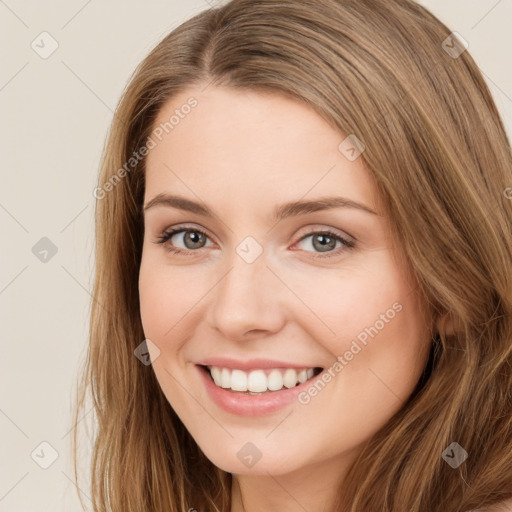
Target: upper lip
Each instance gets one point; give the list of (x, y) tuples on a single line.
[(251, 364)]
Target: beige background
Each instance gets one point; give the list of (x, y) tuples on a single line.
[(55, 113)]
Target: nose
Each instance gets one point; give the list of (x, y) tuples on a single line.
[(248, 301)]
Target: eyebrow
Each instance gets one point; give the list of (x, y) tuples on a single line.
[(281, 212)]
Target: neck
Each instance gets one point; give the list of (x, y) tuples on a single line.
[(312, 487)]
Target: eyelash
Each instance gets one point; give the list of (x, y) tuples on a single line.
[(165, 236)]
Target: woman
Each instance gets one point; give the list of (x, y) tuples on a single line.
[(303, 295)]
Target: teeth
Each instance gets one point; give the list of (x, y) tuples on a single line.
[(217, 376), (226, 378), (290, 378), (238, 380), (256, 382), (275, 380), (303, 376), (259, 381)]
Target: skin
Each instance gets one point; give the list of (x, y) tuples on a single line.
[(242, 153)]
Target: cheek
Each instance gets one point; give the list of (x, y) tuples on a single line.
[(380, 344), (369, 315), (165, 296), (339, 304)]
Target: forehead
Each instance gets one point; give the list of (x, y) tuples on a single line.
[(239, 143)]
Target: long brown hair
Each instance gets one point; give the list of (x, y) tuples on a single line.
[(393, 75)]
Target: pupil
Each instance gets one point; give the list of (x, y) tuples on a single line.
[(326, 243), (194, 237)]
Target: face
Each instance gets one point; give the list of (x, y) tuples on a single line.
[(236, 285)]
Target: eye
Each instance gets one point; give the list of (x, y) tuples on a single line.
[(325, 242), (192, 238)]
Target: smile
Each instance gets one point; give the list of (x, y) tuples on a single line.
[(260, 381)]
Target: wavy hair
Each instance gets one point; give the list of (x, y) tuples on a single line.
[(392, 74)]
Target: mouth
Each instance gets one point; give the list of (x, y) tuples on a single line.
[(259, 381)]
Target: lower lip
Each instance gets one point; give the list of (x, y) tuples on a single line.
[(251, 405)]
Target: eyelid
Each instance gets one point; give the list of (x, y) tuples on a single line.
[(187, 227), (348, 241), (320, 228), (164, 236)]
